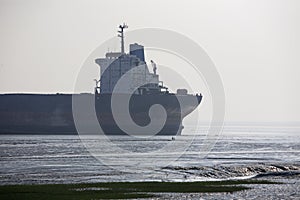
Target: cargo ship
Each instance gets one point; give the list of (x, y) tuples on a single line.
[(54, 113)]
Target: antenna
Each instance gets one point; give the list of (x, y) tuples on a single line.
[(97, 82), (121, 35), (97, 86)]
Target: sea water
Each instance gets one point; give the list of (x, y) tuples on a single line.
[(64, 158), (239, 152)]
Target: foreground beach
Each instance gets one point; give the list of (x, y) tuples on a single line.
[(123, 190)]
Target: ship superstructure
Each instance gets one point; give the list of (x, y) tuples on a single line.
[(116, 64)]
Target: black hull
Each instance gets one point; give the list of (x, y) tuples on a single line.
[(52, 114)]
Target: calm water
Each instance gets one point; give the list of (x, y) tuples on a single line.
[(240, 152)]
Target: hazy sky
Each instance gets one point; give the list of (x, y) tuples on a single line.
[(255, 45)]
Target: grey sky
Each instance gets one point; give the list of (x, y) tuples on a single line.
[(255, 45)]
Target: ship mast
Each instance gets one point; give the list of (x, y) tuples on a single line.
[(121, 35)]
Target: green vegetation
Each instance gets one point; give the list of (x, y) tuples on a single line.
[(119, 190)]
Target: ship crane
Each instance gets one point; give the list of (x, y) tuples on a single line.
[(121, 35), (153, 66)]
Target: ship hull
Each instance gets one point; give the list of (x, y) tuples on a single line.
[(54, 113)]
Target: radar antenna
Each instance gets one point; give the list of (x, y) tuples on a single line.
[(121, 35)]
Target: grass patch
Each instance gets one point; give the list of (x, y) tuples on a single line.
[(119, 190)]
